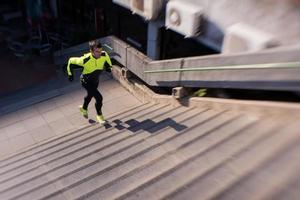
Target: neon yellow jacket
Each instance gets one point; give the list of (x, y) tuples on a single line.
[(92, 67)]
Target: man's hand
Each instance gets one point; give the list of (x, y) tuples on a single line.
[(70, 77)]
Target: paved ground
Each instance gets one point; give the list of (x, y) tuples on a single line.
[(57, 116)]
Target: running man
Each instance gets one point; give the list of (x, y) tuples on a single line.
[(92, 65)]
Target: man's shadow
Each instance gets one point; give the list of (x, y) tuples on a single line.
[(147, 125)]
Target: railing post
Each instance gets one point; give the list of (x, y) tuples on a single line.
[(126, 73), (179, 92)]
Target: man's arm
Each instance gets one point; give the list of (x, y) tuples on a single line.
[(74, 63), (108, 64)]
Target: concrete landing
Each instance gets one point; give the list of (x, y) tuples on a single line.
[(57, 116)]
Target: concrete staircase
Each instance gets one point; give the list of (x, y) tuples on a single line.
[(158, 151)]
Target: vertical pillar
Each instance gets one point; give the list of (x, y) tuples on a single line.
[(153, 40)]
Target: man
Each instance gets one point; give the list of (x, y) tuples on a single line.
[(92, 65)]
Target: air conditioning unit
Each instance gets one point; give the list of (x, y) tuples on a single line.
[(123, 3), (149, 9), (184, 18), (242, 37)]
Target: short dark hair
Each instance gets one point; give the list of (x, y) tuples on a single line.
[(94, 43)]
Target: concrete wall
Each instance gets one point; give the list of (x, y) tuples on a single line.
[(170, 79), (281, 79), (281, 18), (138, 63)]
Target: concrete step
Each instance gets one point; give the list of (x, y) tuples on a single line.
[(108, 175), (263, 176), (76, 175), (181, 155), (68, 138), (119, 137), (176, 183), (158, 151), (71, 146)]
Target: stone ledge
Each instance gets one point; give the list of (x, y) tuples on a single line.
[(144, 94)]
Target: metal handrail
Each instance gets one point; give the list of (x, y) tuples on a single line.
[(231, 67)]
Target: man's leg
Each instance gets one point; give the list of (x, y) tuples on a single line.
[(87, 99), (98, 105)]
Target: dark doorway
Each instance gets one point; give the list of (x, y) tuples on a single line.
[(130, 28), (174, 45)]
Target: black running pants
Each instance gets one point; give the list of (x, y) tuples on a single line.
[(92, 91)]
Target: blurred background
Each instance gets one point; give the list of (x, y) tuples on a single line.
[(32, 30)]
